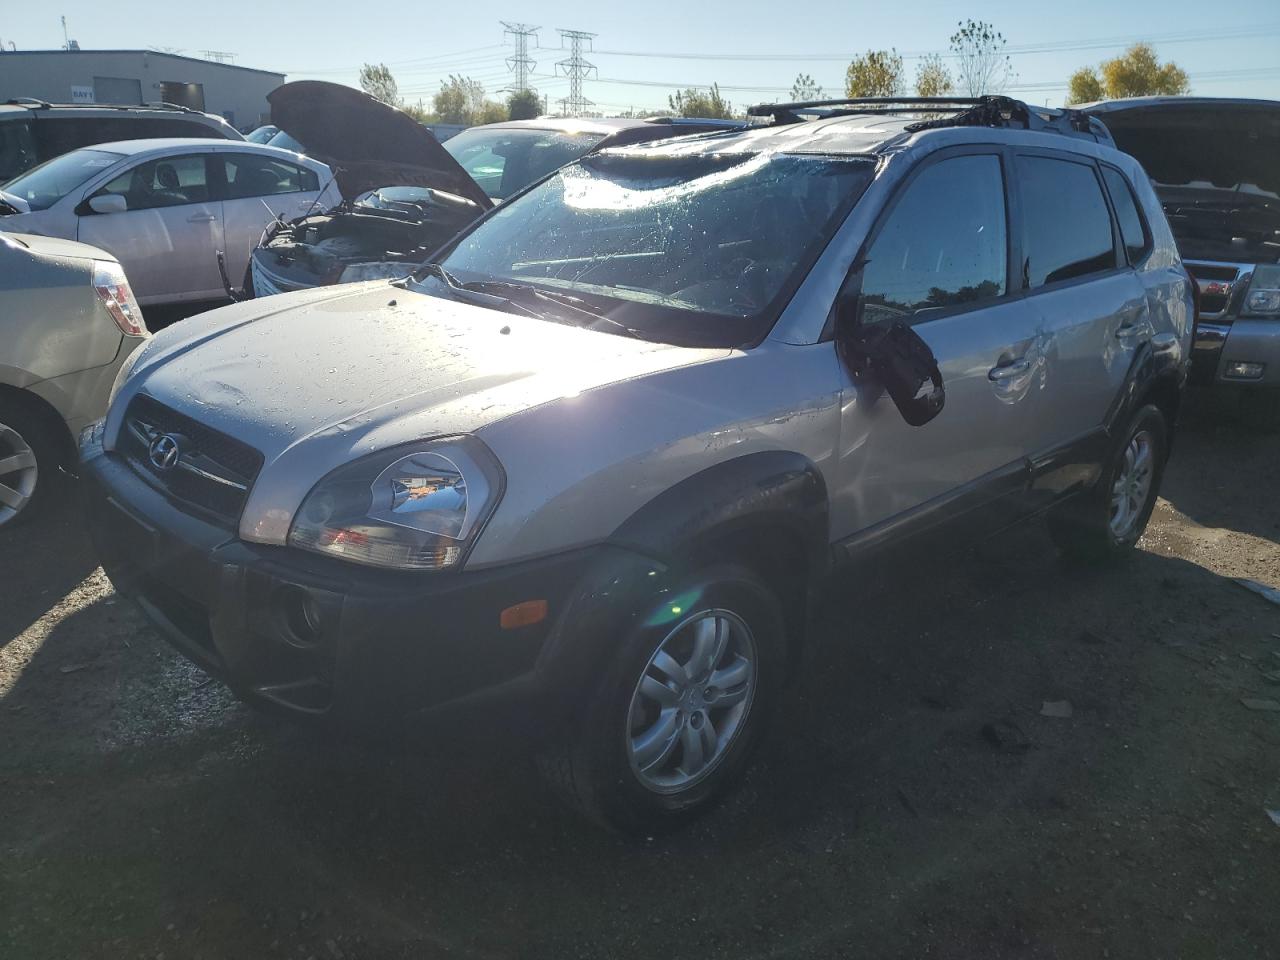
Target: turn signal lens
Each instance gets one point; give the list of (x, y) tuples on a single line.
[(523, 614), (112, 286)]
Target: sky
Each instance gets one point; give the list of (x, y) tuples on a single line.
[(641, 53)]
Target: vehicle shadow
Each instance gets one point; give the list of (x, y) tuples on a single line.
[(41, 562), (1232, 484), (910, 773)]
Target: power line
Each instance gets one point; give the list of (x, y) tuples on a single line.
[(520, 63), (577, 69)]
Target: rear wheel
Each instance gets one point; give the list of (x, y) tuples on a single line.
[(30, 455), (673, 721), (1106, 522)]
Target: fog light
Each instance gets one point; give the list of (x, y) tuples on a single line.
[(298, 616), (1244, 371)]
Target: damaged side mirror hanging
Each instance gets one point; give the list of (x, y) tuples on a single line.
[(888, 353)]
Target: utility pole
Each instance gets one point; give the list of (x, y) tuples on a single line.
[(520, 63), (576, 68)]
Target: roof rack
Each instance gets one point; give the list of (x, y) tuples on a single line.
[(986, 111), (27, 102)]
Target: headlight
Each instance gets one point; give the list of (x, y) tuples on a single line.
[(416, 507), (375, 271), (1263, 296)]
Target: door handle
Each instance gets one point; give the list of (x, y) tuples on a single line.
[(201, 218), (1009, 371)]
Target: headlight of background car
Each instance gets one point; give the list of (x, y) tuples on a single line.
[(415, 507), (1263, 297)]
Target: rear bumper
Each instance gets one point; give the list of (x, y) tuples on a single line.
[(306, 636)]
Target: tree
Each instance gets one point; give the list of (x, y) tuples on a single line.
[(376, 80), (462, 100), (701, 103), (983, 65), (804, 89), (1084, 86), (1138, 72), (524, 105), (933, 79), (877, 73)]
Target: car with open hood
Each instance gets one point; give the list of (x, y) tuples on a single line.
[(1215, 163), (403, 192), (596, 458)]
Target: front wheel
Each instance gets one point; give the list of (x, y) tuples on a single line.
[(680, 707), (1108, 521)]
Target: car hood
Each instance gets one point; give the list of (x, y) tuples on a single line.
[(367, 142), (324, 377)]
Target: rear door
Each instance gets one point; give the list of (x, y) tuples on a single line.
[(939, 260), (256, 190), (1093, 309), (167, 238)]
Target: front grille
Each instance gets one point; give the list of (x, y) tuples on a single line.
[(1217, 283), (210, 470)]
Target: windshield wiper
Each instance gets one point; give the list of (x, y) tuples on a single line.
[(562, 300), (475, 297)]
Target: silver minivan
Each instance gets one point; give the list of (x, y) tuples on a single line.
[(598, 456)]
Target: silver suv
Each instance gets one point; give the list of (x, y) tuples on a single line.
[(599, 455)]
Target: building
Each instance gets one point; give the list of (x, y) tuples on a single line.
[(239, 94)]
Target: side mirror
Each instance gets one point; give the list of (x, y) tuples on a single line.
[(108, 203), (891, 354)]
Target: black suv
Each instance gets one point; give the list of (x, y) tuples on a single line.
[(33, 131)]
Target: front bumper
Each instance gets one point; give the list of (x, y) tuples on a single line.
[(309, 636), (1218, 345)]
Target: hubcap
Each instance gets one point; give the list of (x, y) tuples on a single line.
[(691, 701), (17, 473), (1132, 485)]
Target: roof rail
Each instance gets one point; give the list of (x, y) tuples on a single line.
[(986, 111), (28, 102)]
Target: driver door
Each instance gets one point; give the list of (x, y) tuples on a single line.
[(167, 238), (939, 261)]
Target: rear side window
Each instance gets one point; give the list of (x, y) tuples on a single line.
[(1132, 229), (1066, 224), (944, 243), (17, 149), (252, 176)]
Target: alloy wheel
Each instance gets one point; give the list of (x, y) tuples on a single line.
[(692, 701), (18, 473), (1132, 485)]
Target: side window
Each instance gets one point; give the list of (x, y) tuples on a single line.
[(17, 149), (1133, 231), (250, 176), (1066, 224), (167, 182), (944, 243)]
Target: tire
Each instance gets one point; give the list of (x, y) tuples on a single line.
[(1100, 525), (623, 759), (1260, 410), (31, 453)]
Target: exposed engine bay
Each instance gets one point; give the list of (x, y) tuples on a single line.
[(383, 235)]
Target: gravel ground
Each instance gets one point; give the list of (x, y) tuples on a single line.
[(913, 800)]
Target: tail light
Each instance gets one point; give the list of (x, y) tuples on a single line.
[(113, 288)]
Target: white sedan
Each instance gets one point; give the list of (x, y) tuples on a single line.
[(166, 208)]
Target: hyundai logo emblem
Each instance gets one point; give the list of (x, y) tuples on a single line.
[(164, 451)]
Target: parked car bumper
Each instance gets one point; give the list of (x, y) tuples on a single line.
[(310, 637)]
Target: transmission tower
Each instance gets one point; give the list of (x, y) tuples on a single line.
[(520, 63), (576, 69)]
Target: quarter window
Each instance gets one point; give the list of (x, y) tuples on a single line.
[(250, 176), (1132, 230), (1066, 224), (944, 243), (166, 182)]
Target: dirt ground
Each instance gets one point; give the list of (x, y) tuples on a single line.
[(912, 801)]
